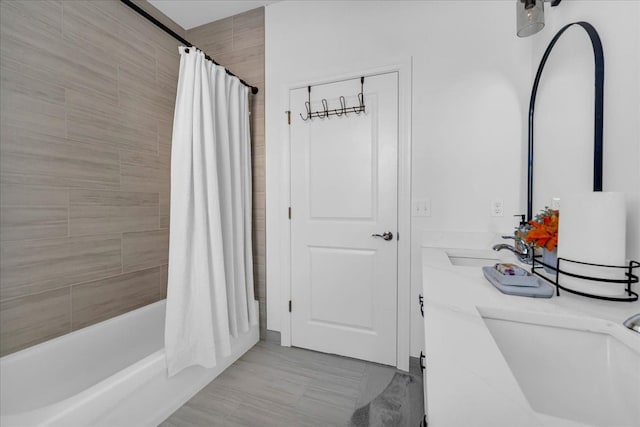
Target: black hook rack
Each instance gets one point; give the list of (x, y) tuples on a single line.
[(343, 110)]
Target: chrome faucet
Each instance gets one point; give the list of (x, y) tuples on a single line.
[(523, 255), (521, 248), (633, 323)]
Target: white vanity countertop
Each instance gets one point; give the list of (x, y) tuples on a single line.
[(469, 383)]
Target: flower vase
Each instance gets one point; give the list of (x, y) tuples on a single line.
[(550, 258)]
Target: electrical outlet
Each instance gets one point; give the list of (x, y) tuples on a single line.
[(555, 203), (497, 207)]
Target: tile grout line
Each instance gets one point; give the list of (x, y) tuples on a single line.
[(122, 252), (68, 191), (158, 153), (71, 307), (66, 135)]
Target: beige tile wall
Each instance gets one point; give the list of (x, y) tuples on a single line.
[(86, 106), (237, 43)]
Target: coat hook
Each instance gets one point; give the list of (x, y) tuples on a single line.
[(343, 107), (361, 95), (361, 102), (308, 108), (307, 105), (325, 107)]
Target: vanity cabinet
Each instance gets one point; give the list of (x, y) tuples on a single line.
[(423, 367)]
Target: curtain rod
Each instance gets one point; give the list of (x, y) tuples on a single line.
[(132, 5)]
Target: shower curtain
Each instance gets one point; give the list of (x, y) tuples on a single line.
[(210, 282)]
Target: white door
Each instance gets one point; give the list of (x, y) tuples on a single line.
[(343, 191)]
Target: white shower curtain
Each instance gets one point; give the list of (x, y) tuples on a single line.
[(210, 283)]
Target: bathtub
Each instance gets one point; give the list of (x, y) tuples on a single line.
[(109, 374)]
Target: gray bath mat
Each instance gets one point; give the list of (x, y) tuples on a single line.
[(389, 409)]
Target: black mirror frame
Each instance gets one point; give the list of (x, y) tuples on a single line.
[(598, 115)]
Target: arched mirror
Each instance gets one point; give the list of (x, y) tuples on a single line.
[(564, 158)]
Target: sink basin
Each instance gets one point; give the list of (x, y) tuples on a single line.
[(471, 262), (581, 369), (470, 259)]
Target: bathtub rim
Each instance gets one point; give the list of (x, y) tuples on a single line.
[(56, 410), (120, 392), (38, 348), (183, 386), (50, 414)]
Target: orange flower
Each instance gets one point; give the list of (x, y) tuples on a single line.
[(544, 230)]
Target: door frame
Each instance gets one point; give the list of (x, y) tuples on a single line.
[(403, 323)]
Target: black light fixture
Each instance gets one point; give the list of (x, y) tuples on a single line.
[(530, 16)]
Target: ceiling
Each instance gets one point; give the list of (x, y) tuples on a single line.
[(193, 13)]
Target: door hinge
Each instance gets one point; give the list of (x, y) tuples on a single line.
[(289, 306), (288, 117), (289, 212)]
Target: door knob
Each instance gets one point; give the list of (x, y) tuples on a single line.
[(386, 236)]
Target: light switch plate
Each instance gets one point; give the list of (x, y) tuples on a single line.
[(416, 208), (421, 207)]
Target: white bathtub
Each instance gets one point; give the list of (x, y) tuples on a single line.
[(109, 374)]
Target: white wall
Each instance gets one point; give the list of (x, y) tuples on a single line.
[(471, 84), (564, 109), (469, 74)]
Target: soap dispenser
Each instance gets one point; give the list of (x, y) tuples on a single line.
[(523, 227)]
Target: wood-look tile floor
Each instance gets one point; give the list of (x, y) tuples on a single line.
[(289, 387)]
